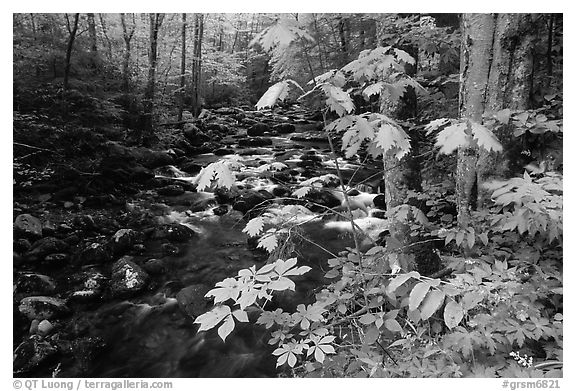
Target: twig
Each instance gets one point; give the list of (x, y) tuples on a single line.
[(33, 147)]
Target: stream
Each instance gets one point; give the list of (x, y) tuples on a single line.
[(151, 333)]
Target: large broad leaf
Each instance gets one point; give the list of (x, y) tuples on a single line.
[(485, 138), (417, 295), (268, 242), (452, 137), (276, 93), (399, 280), (434, 299), (254, 226), (337, 99), (282, 34), (453, 314), (219, 172)]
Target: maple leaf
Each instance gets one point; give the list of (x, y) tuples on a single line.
[(301, 192), (333, 76), (373, 89), (254, 227), (218, 171), (268, 242), (281, 34), (404, 56), (485, 138), (277, 92), (390, 137), (452, 137), (436, 124), (337, 100)]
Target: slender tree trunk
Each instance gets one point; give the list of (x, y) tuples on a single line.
[(106, 37), (496, 67), (92, 34), (72, 29), (197, 64), (182, 69), (127, 35), (148, 101)]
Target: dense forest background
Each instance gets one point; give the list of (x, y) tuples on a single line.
[(156, 155)]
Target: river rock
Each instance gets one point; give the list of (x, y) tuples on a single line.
[(56, 260), (43, 307), (34, 283), (124, 240), (153, 159), (191, 167), (127, 278), (254, 141), (95, 253), (223, 151), (27, 226), (322, 197), (173, 232), (191, 300), (284, 128), (154, 266), (32, 353), (251, 199), (44, 328), (169, 249), (92, 286), (220, 210), (171, 190), (258, 129), (45, 246), (22, 245)]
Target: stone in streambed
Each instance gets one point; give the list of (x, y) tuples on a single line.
[(34, 283), (173, 232), (124, 240), (32, 353), (43, 307), (27, 226), (127, 278), (191, 300), (45, 246)]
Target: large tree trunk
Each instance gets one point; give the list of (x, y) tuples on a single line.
[(197, 64), (72, 29), (182, 69), (148, 101), (496, 68)]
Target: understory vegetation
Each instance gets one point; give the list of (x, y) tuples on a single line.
[(455, 263)]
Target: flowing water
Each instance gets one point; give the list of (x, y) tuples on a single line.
[(151, 336)]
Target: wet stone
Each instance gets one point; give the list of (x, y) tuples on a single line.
[(32, 353), (43, 307), (127, 278), (33, 283), (173, 232), (28, 226)]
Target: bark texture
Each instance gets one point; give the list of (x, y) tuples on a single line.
[(496, 70)]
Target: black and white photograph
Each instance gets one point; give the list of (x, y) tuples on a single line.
[(286, 195)]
